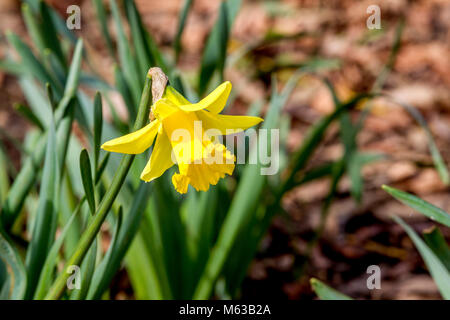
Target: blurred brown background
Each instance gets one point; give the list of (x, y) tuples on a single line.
[(355, 236)]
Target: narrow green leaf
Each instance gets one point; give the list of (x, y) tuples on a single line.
[(98, 126), (152, 52), (348, 133), (46, 215), (61, 26), (87, 271), (144, 278), (355, 163), (127, 62), (26, 178), (312, 140), (50, 96), (426, 208), (145, 263), (4, 174), (316, 173), (51, 260), (120, 125), (29, 61), (157, 55), (436, 241), (29, 115), (22, 185), (54, 66), (73, 78), (5, 281), (49, 33), (137, 35), (101, 16), (16, 271), (214, 53), (325, 292), (202, 218), (86, 177), (101, 167), (12, 67), (439, 163), (34, 4), (93, 82), (124, 90), (333, 92), (33, 28), (64, 134), (438, 271), (181, 24), (106, 270), (85, 116), (37, 100)]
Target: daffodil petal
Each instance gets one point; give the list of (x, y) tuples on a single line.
[(163, 108), (180, 182), (202, 175), (226, 124), (160, 160), (135, 142), (214, 102), (174, 96)]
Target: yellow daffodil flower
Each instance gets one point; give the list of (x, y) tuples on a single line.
[(201, 161)]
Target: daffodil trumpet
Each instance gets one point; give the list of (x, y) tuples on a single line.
[(186, 135)]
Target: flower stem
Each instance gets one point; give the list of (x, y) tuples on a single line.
[(93, 228)]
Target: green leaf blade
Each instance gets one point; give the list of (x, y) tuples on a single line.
[(325, 292), (436, 241), (46, 215), (86, 178), (98, 127), (438, 271), (10, 256), (426, 208)]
